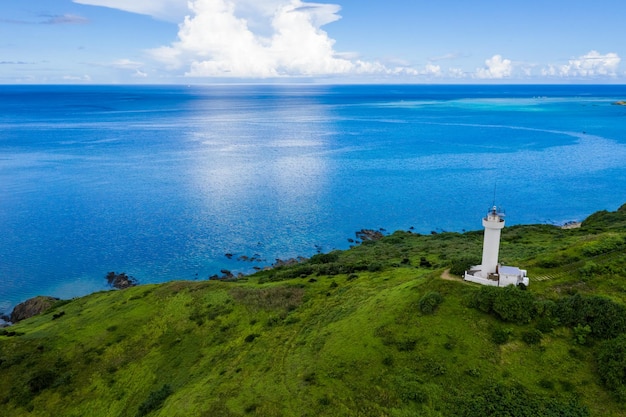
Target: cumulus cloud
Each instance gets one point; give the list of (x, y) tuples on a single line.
[(496, 68), (272, 38), (589, 65), (216, 42)]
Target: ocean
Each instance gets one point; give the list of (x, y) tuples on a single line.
[(163, 182)]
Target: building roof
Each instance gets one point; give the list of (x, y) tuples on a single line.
[(510, 270)]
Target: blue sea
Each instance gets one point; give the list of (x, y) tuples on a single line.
[(161, 182)]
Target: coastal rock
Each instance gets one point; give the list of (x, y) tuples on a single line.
[(32, 307), (120, 281), (369, 235), (620, 103)]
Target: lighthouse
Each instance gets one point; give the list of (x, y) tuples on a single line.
[(493, 223), (490, 272)]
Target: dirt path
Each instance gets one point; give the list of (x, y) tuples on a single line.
[(446, 275)]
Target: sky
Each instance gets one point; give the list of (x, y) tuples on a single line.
[(282, 41)]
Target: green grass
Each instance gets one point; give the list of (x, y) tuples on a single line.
[(345, 335)]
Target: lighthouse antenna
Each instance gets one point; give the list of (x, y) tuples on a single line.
[(495, 186)]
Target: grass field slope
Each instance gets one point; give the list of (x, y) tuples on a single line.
[(386, 328)]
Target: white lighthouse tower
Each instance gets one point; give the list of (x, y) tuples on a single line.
[(493, 224), (490, 272)]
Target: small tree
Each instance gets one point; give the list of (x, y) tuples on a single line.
[(429, 302)]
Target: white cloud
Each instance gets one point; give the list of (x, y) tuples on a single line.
[(217, 42), (126, 64), (589, 65), (496, 67), (171, 10), (456, 73), (77, 78), (273, 38), (64, 19)]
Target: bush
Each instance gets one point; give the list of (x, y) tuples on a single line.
[(375, 267), (42, 380), (460, 265), (155, 400), (500, 336), (496, 400), (606, 318), (324, 258), (580, 333), (513, 305), (532, 337), (250, 338), (429, 302), (611, 360), (509, 304)]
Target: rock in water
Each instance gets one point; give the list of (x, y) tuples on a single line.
[(32, 307), (120, 281)]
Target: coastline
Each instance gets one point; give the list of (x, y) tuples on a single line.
[(363, 235)]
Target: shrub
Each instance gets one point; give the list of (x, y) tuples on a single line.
[(546, 325), (429, 302), (42, 380), (500, 336), (580, 333), (388, 361), (250, 338), (324, 258), (611, 360), (509, 304), (606, 318), (375, 267), (155, 400), (411, 391), (406, 345), (460, 265), (496, 400), (532, 337)]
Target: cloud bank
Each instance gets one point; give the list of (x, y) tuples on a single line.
[(592, 64), (286, 38), (278, 38)]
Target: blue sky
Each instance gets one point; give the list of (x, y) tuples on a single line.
[(207, 41)]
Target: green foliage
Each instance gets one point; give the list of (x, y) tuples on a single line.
[(155, 400), (611, 360), (509, 304), (607, 244), (532, 337), (375, 267), (354, 348), (429, 302), (580, 333), (606, 318), (42, 379), (497, 400), (458, 266), (250, 338), (324, 258), (500, 336)]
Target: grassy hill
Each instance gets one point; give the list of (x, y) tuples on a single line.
[(377, 330)]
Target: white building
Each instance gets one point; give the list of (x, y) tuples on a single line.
[(490, 272)]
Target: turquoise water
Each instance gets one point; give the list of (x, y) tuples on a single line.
[(162, 182)]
